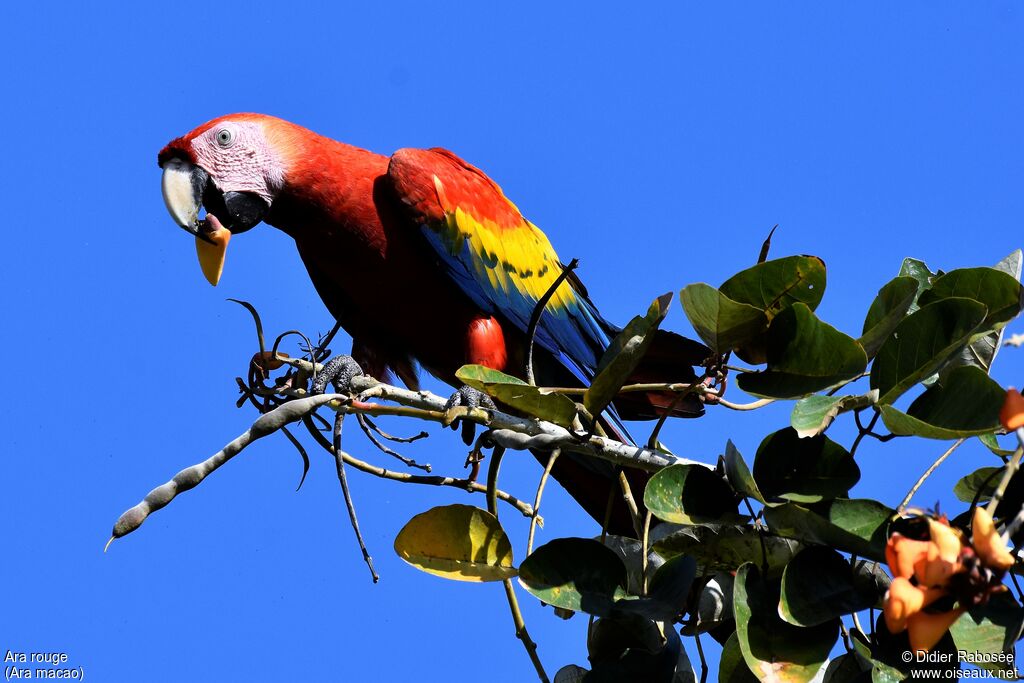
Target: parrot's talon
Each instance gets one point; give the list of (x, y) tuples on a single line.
[(339, 372), (469, 398)]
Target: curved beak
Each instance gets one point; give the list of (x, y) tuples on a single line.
[(186, 189), (183, 185)]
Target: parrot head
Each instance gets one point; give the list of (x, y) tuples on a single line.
[(228, 166)]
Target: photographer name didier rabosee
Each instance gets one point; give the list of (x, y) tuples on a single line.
[(960, 656)]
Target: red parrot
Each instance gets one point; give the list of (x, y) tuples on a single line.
[(456, 270)]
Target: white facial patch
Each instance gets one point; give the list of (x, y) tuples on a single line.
[(238, 158)]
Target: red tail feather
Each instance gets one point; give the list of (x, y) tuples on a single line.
[(669, 359)]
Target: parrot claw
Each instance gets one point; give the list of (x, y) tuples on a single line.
[(338, 371), (470, 398)]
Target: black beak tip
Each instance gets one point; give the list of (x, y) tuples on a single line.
[(203, 236)]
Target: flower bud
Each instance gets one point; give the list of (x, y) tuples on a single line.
[(1012, 414), (988, 543)]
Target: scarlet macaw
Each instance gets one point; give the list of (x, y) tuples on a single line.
[(456, 270)]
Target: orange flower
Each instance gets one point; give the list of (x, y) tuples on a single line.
[(903, 553), (943, 556), (1012, 414), (927, 629), (988, 543), (904, 600), (925, 571)]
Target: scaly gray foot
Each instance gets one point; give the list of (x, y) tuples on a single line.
[(338, 371), (470, 398)]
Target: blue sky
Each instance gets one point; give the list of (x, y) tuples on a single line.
[(658, 145)]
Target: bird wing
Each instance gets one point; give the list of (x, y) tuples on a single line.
[(502, 261)]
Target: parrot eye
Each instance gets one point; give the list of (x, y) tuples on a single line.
[(225, 137)]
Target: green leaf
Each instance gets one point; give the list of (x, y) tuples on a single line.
[(613, 636), (777, 284), (998, 291), (813, 415), (888, 655), (982, 352), (632, 648), (738, 474), (879, 671), (922, 342), (630, 551), (671, 583), (623, 355), (722, 323), (732, 668), (803, 470), (714, 605), (804, 355), (773, 286), (990, 629), (851, 525), (980, 483), (690, 494), (458, 542), (965, 403), (916, 269), (570, 674), (722, 548), (886, 312), (578, 574), (1011, 265), (820, 585), (519, 395), (847, 668), (990, 442), (667, 592), (777, 652)]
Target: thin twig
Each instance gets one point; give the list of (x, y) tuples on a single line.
[(408, 462), (407, 478), (321, 346), (1011, 469), (856, 622), (754, 405), (536, 501), (760, 537), (652, 440), (846, 637), (343, 479), (927, 473), (608, 508), (862, 431), (302, 452), (703, 660), (256, 318), (391, 437), (513, 603), (627, 496), (736, 368), (1013, 526), (538, 310), (662, 387), (644, 540)]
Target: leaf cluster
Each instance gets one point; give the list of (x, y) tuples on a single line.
[(768, 559)]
